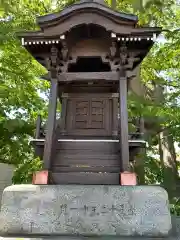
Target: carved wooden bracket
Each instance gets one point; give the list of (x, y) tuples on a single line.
[(64, 51), (52, 62), (117, 57), (113, 50), (131, 59), (54, 56), (57, 62), (121, 57), (64, 56)]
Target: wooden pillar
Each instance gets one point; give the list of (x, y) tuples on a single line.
[(123, 124), (38, 152), (115, 97), (43, 177), (64, 113), (126, 177), (38, 127), (51, 122)]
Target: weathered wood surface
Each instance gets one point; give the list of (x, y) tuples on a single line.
[(86, 178), (38, 127), (89, 114), (84, 76), (48, 148), (86, 156), (123, 124), (51, 19), (88, 18), (86, 163), (63, 115)]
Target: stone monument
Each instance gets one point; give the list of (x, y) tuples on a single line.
[(31, 210)]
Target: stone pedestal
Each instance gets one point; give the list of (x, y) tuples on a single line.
[(6, 174), (71, 210)]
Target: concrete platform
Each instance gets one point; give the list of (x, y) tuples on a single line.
[(85, 210)]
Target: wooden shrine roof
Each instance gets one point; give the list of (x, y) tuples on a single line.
[(117, 18), (89, 6), (57, 27)]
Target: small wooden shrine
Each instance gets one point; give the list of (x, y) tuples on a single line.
[(91, 53)]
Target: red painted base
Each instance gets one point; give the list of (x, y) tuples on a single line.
[(40, 178), (128, 179)]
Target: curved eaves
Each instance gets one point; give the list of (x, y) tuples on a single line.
[(51, 18)]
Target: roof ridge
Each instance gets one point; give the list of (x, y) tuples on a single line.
[(84, 5)]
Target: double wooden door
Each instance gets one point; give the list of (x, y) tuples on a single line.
[(89, 114)]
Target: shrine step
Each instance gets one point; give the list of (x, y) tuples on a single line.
[(105, 178), (94, 157), (86, 163)]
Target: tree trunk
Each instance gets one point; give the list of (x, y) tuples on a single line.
[(139, 166), (168, 162), (136, 87), (166, 151)]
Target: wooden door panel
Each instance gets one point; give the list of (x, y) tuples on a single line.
[(89, 115), (81, 111), (97, 118), (97, 104), (81, 104), (81, 118), (97, 111), (81, 125), (97, 125)]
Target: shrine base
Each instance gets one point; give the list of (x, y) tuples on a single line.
[(85, 210)]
